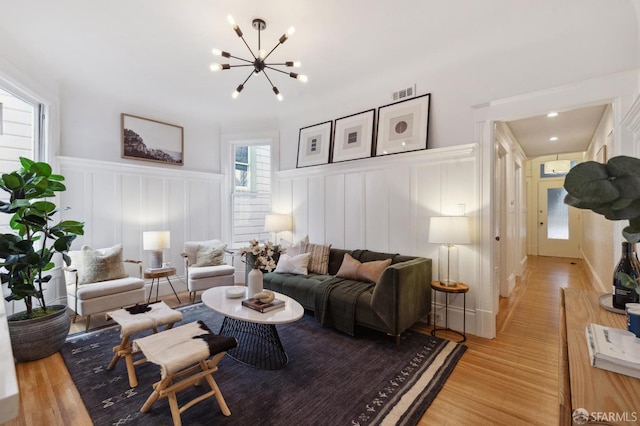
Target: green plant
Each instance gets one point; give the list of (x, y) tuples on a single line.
[(612, 190), (26, 254)]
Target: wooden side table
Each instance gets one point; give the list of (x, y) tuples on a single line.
[(457, 289), (156, 274)]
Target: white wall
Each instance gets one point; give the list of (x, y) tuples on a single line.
[(384, 204)]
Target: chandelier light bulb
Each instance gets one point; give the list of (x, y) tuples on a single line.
[(297, 64), (290, 31), (303, 78), (262, 54), (279, 97), (215, 67), (231, 21), (235, 94), (216, 52)]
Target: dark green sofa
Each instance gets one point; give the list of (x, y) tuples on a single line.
[(401, 297)]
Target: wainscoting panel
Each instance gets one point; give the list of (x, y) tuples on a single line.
[(354, 198), (334, 210), (384, 204), (376, 214), (119, 201)]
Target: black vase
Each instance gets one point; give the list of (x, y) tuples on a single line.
[(628, 269)]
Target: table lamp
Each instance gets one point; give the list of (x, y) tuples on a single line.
[(449, 231), (156, 241), (277, 223)]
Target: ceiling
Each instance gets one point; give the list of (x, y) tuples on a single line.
[(158, 52), (574, 130)]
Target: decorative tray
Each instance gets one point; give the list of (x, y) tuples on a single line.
[(236, 292), (607, 303)]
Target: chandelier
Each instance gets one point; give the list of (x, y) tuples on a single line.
[(258, 63)]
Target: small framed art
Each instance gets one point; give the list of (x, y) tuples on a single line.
[(314, 144), (151, 140), (403, 126), (353, 136)]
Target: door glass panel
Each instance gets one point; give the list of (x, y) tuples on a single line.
[(557, 214)]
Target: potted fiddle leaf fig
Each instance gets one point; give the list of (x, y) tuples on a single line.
[(26, 256), (612, 190)]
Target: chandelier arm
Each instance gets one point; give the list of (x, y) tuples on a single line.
[(275, 69), (241, 59), (243, 65), (250, 75), (265, 74), (246, 44), (271, 51)]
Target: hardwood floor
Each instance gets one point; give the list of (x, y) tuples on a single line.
[(512, 379)]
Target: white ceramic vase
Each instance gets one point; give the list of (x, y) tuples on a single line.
[(254, 284)]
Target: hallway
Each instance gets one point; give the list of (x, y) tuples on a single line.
[(513, 379)]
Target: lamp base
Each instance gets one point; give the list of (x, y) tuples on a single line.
[(449, 283), (448, 265), (156, 259)]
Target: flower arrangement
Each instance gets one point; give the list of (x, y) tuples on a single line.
[(263, 254)]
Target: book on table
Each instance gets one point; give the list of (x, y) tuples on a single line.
[(605, 354), (259, 306)]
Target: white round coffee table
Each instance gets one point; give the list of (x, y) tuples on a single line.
[(259, 345)]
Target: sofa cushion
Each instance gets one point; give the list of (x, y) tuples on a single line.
[(319, 262), (367, 271), (210, 255), (99, 264), (293, 264), (197, 272), (121, 285)]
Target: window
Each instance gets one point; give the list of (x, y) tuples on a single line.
[(20, 124), (251, 192)]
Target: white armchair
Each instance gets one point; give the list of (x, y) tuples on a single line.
[(97, 282), (205, 266)]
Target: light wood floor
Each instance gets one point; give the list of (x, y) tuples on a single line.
[(512, 379)]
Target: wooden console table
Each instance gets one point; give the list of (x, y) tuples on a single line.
[(581, 385)]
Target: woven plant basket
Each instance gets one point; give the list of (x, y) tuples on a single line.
[(37, 338)]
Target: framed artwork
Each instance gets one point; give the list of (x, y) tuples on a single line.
[(403, 126), (314, 144), (353, 137), (152, 140)]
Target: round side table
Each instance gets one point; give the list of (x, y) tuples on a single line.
[(457, 289)]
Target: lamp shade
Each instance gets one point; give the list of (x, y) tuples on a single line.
[(277, 222), (449, 230), (156, 240)]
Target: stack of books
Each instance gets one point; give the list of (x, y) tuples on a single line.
[(259, 306), (610, 355)]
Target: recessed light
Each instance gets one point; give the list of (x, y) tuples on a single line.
[(552, 114), (553, 138)]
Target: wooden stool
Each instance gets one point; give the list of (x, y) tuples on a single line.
[(134, 320), (183, 356)]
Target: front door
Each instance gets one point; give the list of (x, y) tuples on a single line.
[(558, 225)]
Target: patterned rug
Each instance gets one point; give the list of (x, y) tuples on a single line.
[(331, 379)]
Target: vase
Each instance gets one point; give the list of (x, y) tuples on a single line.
[(628, 269), (254, 284)]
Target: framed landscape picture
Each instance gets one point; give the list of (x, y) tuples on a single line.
[(151, 140), (314, 144), (353, 136), (403, 126)]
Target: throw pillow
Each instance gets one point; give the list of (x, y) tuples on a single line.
[(319, 262), (101, 264), (293, 264), (210, 256), (368, 271), (296, 248)]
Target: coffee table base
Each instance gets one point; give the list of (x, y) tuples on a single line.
[(259, 345)]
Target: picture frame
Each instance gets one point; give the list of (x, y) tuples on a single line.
[(353, 137), (403, 126), (151, 140), (314, 144)]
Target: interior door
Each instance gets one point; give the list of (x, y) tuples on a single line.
[(558, 224)]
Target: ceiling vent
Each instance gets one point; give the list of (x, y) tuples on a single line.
[(404, 93)]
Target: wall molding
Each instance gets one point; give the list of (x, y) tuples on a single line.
[(374, 163)]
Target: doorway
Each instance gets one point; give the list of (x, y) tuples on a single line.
[(558, 225)]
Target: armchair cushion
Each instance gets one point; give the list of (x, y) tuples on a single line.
[(210, 255), (198, 272), (99, 264), (113, 287)]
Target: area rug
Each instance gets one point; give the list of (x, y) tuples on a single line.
[(331, 379)]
